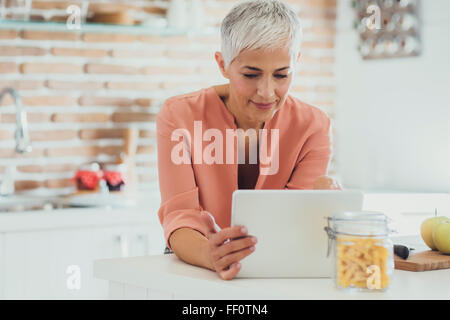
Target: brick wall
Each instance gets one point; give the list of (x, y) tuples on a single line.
[(80, 88)]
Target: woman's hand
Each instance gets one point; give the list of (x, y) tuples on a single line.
[(227, 247), (326, 183)]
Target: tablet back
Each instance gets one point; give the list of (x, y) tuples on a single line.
[(289, 225)]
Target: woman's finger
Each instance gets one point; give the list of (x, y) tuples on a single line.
[(234, 257), (228, 233), (231, 272), (235, 245)]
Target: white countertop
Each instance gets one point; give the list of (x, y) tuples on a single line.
[(167, 274), (144, 211), (408, 210)]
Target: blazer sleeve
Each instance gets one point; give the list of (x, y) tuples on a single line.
[(313, 159), (180, 206)]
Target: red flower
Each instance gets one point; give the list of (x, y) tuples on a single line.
[(89, 179), (113, 178)]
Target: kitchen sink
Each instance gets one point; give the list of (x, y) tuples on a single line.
[(19, 203)]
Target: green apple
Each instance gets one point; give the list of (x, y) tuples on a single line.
[(441, 236), (426, 230)]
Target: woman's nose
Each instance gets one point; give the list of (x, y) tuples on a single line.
[(266, 90)]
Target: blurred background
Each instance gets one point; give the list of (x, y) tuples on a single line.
[(89, 77)]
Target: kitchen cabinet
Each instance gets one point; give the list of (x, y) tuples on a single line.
[(49, 255), (146, 242), (45, 264)]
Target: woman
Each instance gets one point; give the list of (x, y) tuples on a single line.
[(260, 50)]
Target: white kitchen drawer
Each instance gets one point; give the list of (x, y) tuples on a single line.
[(146, 240), (108, 242), (46, 264), (27, 267)]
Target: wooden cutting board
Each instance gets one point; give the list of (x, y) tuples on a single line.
[(423, 261)]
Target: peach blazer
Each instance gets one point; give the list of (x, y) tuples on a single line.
[(188, 188)]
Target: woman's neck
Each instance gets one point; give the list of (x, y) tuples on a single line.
[(240, 119)]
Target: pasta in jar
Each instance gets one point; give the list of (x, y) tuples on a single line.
[(362, 263), (363, 252)]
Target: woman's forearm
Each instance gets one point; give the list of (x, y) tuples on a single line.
[(191, 246)]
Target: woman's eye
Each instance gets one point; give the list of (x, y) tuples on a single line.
[(251, 76)]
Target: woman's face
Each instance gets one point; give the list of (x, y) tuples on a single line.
[(259, 82)]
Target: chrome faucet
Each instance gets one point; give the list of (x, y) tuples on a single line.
[(22, 136), (22, 139)]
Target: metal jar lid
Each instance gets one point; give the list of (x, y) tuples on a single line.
[(358, 224)]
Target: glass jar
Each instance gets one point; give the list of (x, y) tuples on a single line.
[(363, 254)]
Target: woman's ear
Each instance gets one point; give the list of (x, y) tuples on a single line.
[(221, 63), (298, 57)]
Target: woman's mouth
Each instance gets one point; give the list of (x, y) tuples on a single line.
[(263, 106)]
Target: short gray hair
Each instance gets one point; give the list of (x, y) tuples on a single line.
[(260, 24)]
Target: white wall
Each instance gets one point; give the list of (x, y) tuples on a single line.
[(393, 115)]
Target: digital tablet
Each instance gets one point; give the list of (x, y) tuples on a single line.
[(289, 226)]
